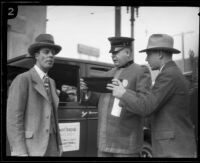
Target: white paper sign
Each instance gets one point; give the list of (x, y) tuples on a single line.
[(70, 136), (116, 110)]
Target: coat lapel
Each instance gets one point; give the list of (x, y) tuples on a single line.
[(38, 84), (54, 94)]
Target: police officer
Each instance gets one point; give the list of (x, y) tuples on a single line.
[(120, 132)]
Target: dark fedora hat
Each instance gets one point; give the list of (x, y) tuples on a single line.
[(43, 40), (161, 42), (118, 43)]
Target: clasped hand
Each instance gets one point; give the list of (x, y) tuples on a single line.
[(117, 88)]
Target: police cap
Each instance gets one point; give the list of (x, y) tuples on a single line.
[(118, 43)]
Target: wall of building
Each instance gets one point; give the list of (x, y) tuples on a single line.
[(22, 30)]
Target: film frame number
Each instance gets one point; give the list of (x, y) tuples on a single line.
[(12, 12)]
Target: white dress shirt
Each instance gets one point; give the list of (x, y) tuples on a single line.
[(40, 72)]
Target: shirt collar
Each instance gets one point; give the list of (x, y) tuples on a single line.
[(127, 64), (40, 72), (161, 68)]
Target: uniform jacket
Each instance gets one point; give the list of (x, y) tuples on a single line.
[(167, 103), (122, 134), (28, 114)]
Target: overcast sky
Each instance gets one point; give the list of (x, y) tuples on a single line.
[(92, 25)]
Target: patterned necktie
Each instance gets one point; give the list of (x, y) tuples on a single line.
[(47, 86)]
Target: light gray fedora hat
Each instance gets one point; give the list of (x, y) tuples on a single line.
[(160, 42)]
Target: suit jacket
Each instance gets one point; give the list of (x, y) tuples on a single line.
[(167, 103), (28, 114), (122, 134)]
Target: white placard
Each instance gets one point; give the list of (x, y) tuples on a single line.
[(70, 136), (116, 110)]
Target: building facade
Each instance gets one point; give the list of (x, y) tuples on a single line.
[(22, 30)]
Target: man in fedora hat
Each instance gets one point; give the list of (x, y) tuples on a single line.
[(172, 131), (120, 132), (32, 121)]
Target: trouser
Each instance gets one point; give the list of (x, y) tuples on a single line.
[(52, 148), (108, 154)]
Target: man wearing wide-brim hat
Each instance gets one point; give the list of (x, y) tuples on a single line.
[(172, 131), (32, 121)]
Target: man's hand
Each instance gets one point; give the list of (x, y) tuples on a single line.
[(83, 86), (117, 88), (84, 89)]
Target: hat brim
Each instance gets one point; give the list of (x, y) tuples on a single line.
[(113, 49), (34, 47), (175, 51)]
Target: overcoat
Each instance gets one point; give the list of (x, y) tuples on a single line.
[(167, 104), (123, 134), (28, 114)]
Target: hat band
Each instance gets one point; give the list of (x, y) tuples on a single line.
[(46, 41)]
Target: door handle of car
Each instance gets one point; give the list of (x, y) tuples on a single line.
[(93, 112)]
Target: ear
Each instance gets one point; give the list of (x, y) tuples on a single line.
[(36, 55)]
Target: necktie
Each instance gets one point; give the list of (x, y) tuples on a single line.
[(47, 86)]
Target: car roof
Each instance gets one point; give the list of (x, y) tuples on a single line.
[(27, 61)]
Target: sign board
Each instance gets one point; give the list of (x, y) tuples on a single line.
[(70, 136), (88, 50)]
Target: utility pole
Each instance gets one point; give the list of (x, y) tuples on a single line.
[(132, 20), (117, 21), (182, 34), (132, 28)]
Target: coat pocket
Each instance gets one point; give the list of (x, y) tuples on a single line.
[(28, 134), (164, 135)]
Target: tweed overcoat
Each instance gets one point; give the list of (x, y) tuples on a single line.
[(28, 114), (122, 134), (167, 104)]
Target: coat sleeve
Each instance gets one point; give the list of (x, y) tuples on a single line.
[(134, 100), (146, 102), (16, 104)]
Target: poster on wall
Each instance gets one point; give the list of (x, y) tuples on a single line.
[(70, 136)]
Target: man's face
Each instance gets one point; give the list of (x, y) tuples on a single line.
[(121, 57), (71, 96), (153, 59), (45, 58), (65, 88)]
